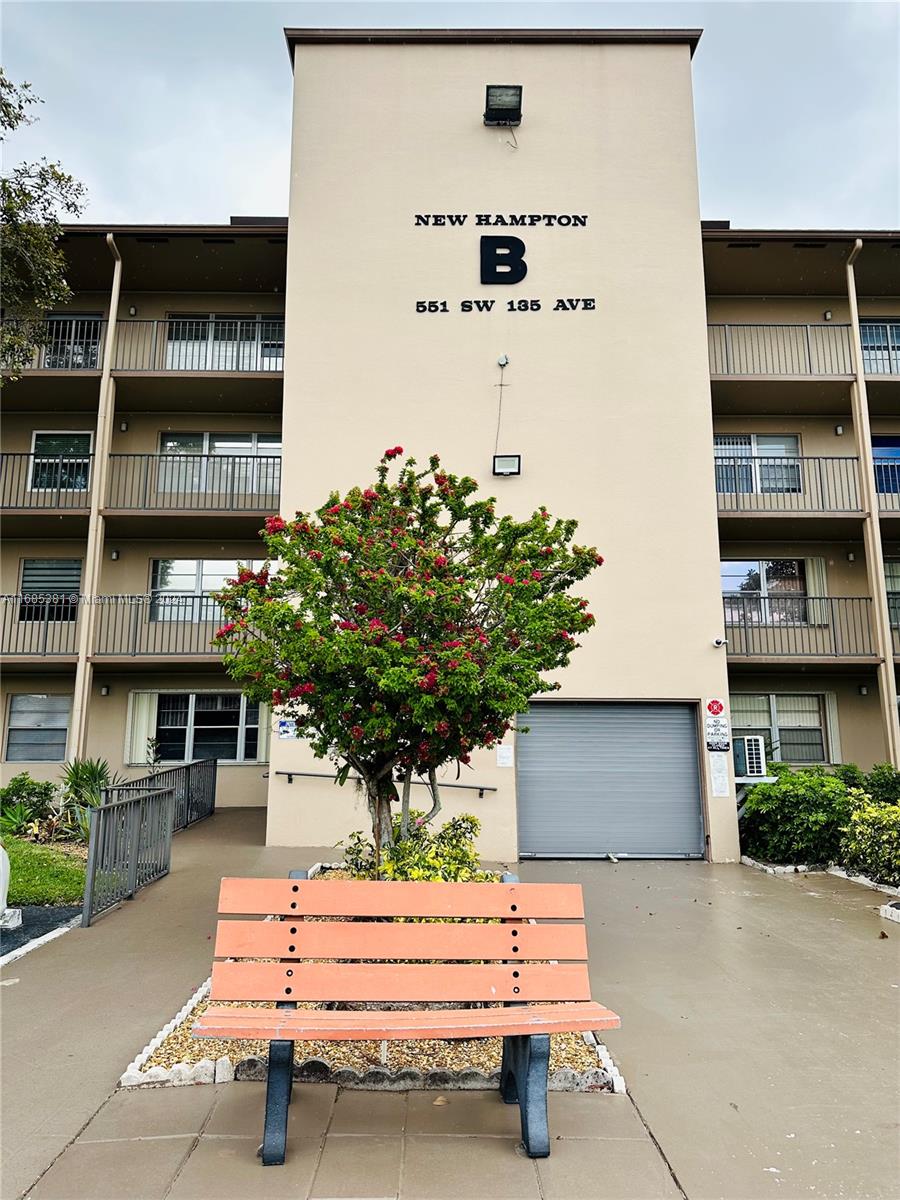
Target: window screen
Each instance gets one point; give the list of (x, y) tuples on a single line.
[(38, 727)]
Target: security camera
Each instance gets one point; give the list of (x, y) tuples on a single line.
[(720, 642), (503, 360)]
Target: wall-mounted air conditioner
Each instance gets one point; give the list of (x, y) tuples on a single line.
[(749, 757)]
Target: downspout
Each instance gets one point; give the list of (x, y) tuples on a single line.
[(881, 621), (93, 559)]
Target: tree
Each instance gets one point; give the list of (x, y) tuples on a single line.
[(404, 625), (32, 267)]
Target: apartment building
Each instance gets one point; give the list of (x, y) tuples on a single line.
[(719, 408)]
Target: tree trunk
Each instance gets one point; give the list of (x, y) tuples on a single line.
[(381, 794), (404, 805)]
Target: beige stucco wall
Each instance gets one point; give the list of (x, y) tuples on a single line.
[(817, 435), (777, 310), (592, 412), (156, 306)]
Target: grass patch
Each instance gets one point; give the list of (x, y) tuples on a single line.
[(43, 874)]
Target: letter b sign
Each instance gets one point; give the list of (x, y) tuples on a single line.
[(503, 260)]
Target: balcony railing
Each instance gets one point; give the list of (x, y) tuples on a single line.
[(29, 481), (800, 350), (791, 626), (781, 484), (157, 625), (880, 347), (39, 626), (68, 344), (244, 345), (194, 482), (887, 483)]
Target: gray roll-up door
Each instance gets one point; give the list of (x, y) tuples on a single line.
[(606, 778)]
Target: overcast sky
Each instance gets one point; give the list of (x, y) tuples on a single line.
[(173, 111)]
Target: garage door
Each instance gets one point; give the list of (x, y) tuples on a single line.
[(598, 779)]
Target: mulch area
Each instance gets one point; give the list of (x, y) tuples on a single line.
[(37, 919)]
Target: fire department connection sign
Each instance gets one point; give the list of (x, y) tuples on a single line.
[(502, 260)]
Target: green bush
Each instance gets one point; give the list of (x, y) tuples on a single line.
[(850, 774), (42, 874), (883, 784), (871, 844), (14, 818), (798, 819), (428, 854), (37, 797)]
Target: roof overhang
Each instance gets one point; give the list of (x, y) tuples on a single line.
[(799, 262)]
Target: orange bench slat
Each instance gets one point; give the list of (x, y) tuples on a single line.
[(303, 1025), (365, 898), (377, 940), (397, 982)]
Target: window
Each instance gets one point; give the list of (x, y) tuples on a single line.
[(191, 725), (219, 342), (61, 462), (764, 591), (880, 346), (793, 726), (50, 589), (180, 587), (892, 579), (73, 341), (227, 463), (38, 728), (886, 452), (753, 462)]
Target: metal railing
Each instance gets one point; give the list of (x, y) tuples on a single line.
[(130, 843), (887, 483), (29, 481), (68, 344), (811, 350), (36, 625), (782, 625), (880, 347), (194, 482), (156, 625), (777, 484), (241, 344)]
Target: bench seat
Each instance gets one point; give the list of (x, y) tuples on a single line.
[(272, 1024)]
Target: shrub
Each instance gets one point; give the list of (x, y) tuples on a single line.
[(871, 844), (851, 775), (36, 796), (798, 819), (15, 818), (882, 784), (427, 854)]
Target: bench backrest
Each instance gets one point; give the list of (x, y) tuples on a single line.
[(457, 958)]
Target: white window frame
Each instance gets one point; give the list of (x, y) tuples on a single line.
[(202, 601), (7, 727), (765, 609), (752, 460), (192, 694), (209, 339), (827, 726), (36, 433), (203, 479)]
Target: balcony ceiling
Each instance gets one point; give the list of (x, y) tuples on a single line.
[(212, 258), (799, 263)]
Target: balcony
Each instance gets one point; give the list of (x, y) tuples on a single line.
[(204, 487), (68, 344), (780, 351), (880, 347), (157, 627), (37, 627), (181, 345), (47, 482), (783, 627), (887, 486), (782, 495)]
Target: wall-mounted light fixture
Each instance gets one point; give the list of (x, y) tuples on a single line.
[(123, 425), (132, 311), (827, 314), (114, 555), (838, 431), (104, 690), (507, 464), (503, 104), (863, 690), (851, 557)]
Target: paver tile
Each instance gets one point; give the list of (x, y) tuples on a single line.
[(454, 1168), (228, 1169), (138, 1170), (358, 1168), (241, 1109), (152, 1112), (469, 1113), (597, 1115), (605, 1169), (375, 1113)]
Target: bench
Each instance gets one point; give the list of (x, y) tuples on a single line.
[(531, 959)]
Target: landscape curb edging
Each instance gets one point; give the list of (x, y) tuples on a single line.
[(864, 881), (800, 869), (890, 911)]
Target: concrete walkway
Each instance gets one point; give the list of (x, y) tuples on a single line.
[(759, 1042)]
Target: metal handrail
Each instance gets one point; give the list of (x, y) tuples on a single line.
[(156, 625), (887, 483), (480, 788), (194, 482), (242, 345), (30, 481), (776, 349), (67, 344), (787, 483), (786, 625), (35, 624)]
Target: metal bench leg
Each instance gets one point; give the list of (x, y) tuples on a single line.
[(278, 1098), (523, 1074)]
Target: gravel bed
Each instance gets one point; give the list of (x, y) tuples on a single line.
[(482, 1054), (37, 919)]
